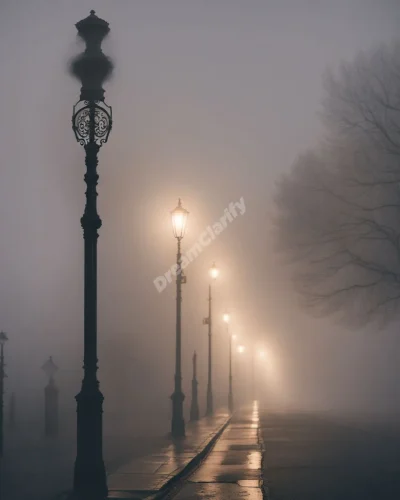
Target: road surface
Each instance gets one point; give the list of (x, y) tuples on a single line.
[(321, 457)]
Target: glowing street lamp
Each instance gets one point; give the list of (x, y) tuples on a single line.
[(179, 218), (226, 317), (214, 272), (241, 349)]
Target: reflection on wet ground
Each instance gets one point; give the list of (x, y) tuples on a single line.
[(144, 477), (232, 470)]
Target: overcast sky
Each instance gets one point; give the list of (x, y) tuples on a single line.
[(212, 101)]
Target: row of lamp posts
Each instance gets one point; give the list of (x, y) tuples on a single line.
[(179, 219), (91, 123)]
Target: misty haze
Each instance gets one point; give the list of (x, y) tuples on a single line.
[(230, 282)]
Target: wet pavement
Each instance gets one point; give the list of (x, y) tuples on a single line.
[(232, 469), (145, 477), (321, 457)]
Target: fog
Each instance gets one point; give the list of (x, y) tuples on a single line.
[(212, 101)]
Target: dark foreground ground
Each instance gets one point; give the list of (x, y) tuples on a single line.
[(38, 468), (321, 457)]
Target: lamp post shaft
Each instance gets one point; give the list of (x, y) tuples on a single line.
[(230, 396), (178, 423), (90, 474), (12, 416), (194, 409), (209, 411), (1, 399), (253, 392)]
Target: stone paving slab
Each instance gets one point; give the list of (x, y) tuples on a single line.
[(150, 475), (219, 491), (232, 470)]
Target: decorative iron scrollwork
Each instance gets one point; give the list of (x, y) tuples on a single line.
[(91, 122)]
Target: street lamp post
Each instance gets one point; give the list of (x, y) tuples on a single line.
[(179, 219), (91, 123), (240, 349), (3, 340), (12, 417), (50, 399), (253, 392), (194, 408), (214, 272), (230, 336)]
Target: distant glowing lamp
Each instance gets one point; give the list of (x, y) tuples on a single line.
[(226, 317), (241, 349), (214, 272)]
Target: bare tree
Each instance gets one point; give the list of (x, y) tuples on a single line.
[(338, 210)]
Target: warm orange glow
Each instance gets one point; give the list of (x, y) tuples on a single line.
[(226, 317), (234, 337), (214, 272), (241, 349), (179, 218)]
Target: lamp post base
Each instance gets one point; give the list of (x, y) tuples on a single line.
[(90, 480), (178, 422)]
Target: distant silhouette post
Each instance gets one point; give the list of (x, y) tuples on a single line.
[(3, 340), (12, 422), (194, 409), (91, 123), (214, 272), (253, 387), (50, 400), (230, 337), (179, 218)]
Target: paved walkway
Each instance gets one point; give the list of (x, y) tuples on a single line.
[(149, 476), (232, 470)]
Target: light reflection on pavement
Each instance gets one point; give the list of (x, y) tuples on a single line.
[(232, 470)]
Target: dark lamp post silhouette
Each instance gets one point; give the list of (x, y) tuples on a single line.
[(227, 319), (50, 399), (91, 123), (194, 408), (3, 340), (214, 273)]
